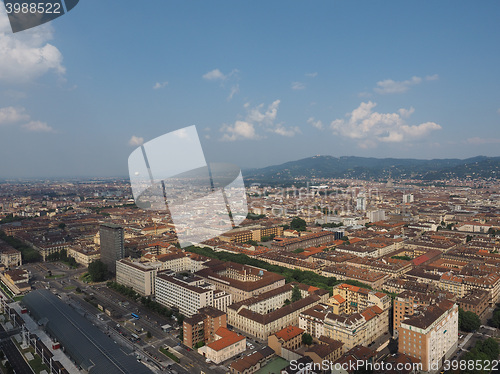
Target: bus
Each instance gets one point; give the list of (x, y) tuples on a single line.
[(135, 316)]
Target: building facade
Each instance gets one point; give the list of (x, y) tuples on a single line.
[(112, 245)]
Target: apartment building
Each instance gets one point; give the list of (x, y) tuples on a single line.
[(312, 320), (202, 326), (84, 256), (288, 338), (139, 276), (358, 298), (9, 256), (267, 313), (408, 301), (358, 328), (188, 294), (310, 240), (431, 334), (475, 301), (349, 272), (240, 281)]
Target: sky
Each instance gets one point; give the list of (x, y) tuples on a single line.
[(263, 82)]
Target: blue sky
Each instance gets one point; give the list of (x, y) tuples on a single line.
[(264, 82)]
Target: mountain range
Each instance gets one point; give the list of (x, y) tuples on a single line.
[(369, 168)]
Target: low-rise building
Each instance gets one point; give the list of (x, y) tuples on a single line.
[(226, 345), (475, 301), (253, 362), (287, 339)]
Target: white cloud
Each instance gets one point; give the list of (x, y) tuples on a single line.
[(234, 90), (159, 85), (434, 77), (286, 131), (136, 141), (240, 130), (267, 117), (481, 141), (389, 86), (217, 75), (10, 115), (18, 116), (315, 123), (369, 127), (37, 126), (231, 78), (298, 86), (406, 113), (257, 117), (312, 75), (27, 55)]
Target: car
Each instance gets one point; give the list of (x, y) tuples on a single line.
[(208, 361)]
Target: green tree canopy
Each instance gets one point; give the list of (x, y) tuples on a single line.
[(98, 271), (307, 339), (468, 321), (298, 224), (296, 295)]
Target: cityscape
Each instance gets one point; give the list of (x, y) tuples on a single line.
[(229, 187), (339, 271)]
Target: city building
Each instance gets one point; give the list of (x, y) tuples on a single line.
[(139, 276), (201, 327), (226, 345), (376, 215), (9, 256), (358, 298), (431, 334), (269, 312), (112, 245), (240, 281), (286, 339), (253, 362), (84, 256), (475, 301)]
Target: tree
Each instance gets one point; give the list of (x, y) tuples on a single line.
[(287, 302), (489, 347), (495, 320), (149, 335), (296, 295), (468, 238), (298, 224), (98, 271), (307, 339), (468, 321), (62, 226)]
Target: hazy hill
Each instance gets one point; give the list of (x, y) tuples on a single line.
[(377, 168)]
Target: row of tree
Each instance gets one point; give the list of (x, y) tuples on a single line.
[(468, 321), (484, 355), (291, 275), (146, 301)]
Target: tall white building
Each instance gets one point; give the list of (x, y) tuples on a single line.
[(139, 276), (408, 198), (361, 203), (376, 215)]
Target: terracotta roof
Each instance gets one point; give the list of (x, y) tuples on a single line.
[(289, 332), (227, 339)]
